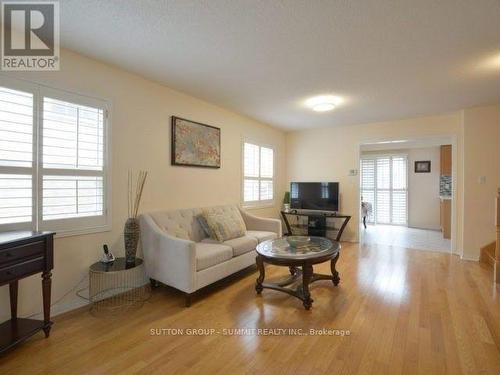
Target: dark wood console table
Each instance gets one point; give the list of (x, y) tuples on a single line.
[(314, 223), (22, 254)]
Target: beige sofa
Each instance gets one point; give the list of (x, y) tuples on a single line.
[(178, 253)]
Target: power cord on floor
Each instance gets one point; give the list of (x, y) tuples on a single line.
[(78, 293)]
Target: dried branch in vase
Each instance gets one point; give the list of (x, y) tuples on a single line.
[(134, 196)]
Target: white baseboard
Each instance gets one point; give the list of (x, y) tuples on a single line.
[(62, 308), (425, 228), (470, 258)]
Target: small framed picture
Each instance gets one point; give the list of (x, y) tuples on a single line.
[(423, 166)]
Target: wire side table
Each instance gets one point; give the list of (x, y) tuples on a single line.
[(117, 286)]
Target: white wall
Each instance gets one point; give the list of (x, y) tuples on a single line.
[(482, 158), (140, 140), (423, 188), (327, 154)]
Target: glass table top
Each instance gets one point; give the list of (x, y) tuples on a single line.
[(118, 265), (281, 248)]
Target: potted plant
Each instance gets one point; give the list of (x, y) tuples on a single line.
[(286, 201)]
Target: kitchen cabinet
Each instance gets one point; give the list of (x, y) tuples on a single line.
[(446, 160), (445, 210)]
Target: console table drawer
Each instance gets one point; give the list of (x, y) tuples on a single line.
[(17, 253), (22, 269), (23, 254)]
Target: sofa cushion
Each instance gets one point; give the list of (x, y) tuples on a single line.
[(242, 245), (180, 223), (262, 235), (210, 254), (225, 225)]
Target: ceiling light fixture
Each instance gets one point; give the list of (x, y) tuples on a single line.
[(396, 141), (493, 62), (487, 64), (323, 103)]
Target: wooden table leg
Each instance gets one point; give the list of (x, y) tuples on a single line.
[(46, 286), (262, 273), (293, 270), (307, 270), (13, 287), (335, 274)]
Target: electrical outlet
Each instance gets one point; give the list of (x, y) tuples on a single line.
[(353, 172), (482, 180)]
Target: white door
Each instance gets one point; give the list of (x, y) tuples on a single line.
[(384, 185)]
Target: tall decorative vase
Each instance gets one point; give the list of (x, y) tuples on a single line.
[(131, 234)]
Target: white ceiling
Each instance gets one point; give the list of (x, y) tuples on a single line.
[(262, 58)]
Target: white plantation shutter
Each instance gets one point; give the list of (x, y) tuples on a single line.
[(16, 201), (16, 128), (368, 185), (251, 190), (399, 190), (73, 136), (266, 162), (383, 211), (16, 158), (73, 154), (384, 185), (383, 173), (72, 196), (251, 158), (52, 159), (399, 179), (258, 173), (398, 207)]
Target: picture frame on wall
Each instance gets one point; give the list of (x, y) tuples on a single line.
[(423, 166), (194, 144)]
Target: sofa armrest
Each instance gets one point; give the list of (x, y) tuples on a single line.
[(259, 223), (168, 259)]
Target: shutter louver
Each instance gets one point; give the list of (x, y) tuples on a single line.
[(72, 136), (16, 202), (16, 156), (16, 128), (368, 185), (71, 196), (73, 154), (258, 173), (384, 185)]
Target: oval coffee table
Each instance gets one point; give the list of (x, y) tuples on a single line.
[(300, 261)]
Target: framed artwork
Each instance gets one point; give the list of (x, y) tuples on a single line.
[(423, 166), (195, 144)]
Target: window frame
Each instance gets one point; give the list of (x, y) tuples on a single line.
[(258, 203), (69, 226)]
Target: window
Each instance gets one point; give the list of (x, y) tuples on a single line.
[(53, 167), (258, 174), (384, 185)]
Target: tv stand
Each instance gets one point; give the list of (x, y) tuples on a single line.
[(316, 223), (314, 213)]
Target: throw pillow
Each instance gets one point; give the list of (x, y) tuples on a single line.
[(225, 226), (204, 226)]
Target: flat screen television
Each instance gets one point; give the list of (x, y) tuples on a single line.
[(322, 196)]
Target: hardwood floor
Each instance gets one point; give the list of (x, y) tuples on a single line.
[(407, 312)]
